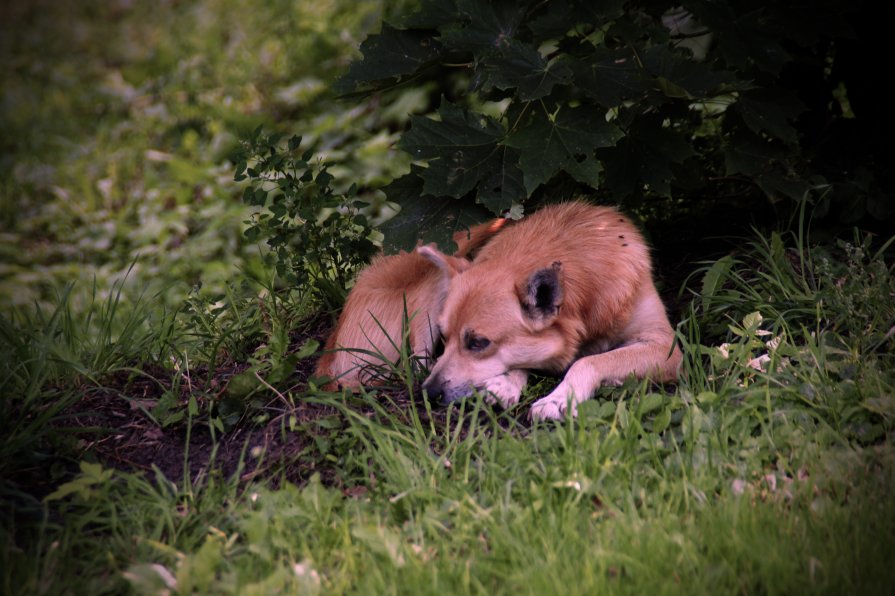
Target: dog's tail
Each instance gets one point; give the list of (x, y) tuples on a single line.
[(470, 242)]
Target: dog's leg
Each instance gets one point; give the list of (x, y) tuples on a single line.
[(642, 359), (506, 389)]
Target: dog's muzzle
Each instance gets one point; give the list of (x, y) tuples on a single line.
[(435, 388)]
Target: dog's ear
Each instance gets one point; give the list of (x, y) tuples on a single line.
[(449, 265), (541, 296)]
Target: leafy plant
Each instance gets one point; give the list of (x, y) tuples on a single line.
[(319, 238), (632, 101), (847, 288), (859, 291)]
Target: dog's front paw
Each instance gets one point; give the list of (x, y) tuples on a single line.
[(505, 389), (555, 406)]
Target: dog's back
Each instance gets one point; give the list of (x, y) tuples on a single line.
[(605, 261)]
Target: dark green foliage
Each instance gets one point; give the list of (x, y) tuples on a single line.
[(318, 238), (423, 211), (632, 102)]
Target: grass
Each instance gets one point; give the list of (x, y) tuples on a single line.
[(768, 469), (119, 124)]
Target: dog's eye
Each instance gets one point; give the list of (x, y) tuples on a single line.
[(438, 348), (475, 343)]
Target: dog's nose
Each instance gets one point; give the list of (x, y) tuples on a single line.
[(432, 387), (437, 389)]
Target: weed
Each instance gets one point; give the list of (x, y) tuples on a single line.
[(319, 238)]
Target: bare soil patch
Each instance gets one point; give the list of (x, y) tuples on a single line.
[(116, 427)]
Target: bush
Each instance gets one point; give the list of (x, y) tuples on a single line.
[(631, 102)]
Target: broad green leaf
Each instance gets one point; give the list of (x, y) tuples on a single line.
[(598, 12), (645, 157), (459, 172), (307, 349), (651, 401), (764, 112), (461, 148), (522, 67), (610, 76), (457, 128), (662, 420), (560, 16), (882, 405), (606, 409), (713, 279), (487, 26), (680, 77), (778, 184), (390, 54), (765, 161), (706, 398), (91, 476), (749, 154), (433, 14), (752, 321), (622, 416), (424, 217), (555, 22), (243, 384), (79, 485), (504, 187), (566, 141)]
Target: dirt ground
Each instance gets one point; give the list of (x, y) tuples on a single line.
[(116, 430)]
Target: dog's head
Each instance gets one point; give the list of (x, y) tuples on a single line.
[(494, 321)]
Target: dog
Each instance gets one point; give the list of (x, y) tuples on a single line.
[(370, 329), (567, 289)]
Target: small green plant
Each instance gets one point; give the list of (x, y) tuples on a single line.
[(319, 238), (847, 288), (858, 292)]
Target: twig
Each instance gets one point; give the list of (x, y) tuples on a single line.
[(272, 388)]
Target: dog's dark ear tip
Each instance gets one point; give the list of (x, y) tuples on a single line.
[(543, 294)]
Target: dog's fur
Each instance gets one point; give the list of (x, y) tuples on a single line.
[(470, 242), (369, 331), (569, 288)]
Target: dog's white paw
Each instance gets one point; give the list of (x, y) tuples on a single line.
[(555, 406), (547, 409), (505, 389)]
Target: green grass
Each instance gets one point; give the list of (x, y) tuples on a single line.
[(119, 124), (771, 476)]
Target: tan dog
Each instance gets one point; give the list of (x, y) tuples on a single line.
[(569, 288), (368, 334)]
